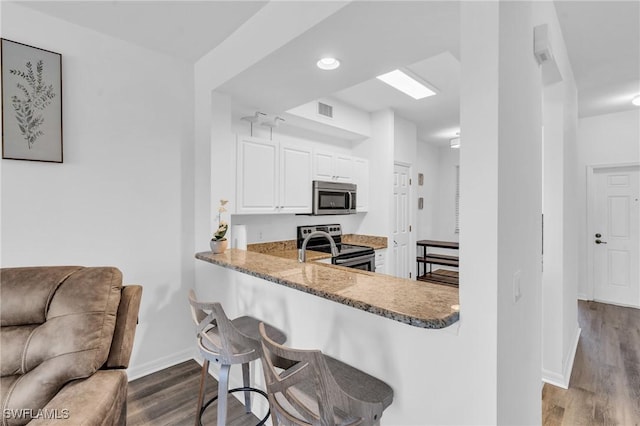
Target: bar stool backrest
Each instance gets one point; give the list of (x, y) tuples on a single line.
[(218, 336), (302, 390)]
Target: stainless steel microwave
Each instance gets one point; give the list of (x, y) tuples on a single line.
[(333, 198)]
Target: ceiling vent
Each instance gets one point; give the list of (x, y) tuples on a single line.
[(325, 110)]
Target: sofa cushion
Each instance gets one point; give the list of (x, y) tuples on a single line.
[(37, 285), (95, 401), (76, 309)]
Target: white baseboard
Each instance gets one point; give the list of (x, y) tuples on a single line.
[(158, 364), (562, 379), (583, 297)]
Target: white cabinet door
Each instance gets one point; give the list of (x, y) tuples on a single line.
[(343, 168), (381, 257), (295, 179), (323, 166), (332, 167), (257, 176), (361, 179)]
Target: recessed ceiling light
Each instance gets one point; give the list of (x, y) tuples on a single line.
[(636, 100), (328, 63), (408, 85)]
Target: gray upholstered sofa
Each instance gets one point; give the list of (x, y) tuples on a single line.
[(65, 340)]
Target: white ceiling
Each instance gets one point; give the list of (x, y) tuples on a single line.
[(437, 117), (371, 37), (183, 29), (603, 43)]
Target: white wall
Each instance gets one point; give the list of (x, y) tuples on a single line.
[(427, 163), (500, 169), (122, 197), (559, 288), (278, 227), (348, 121), (404, 141), (437, 220), (379, 149), (445, 209), (519, 219), (604, 139)]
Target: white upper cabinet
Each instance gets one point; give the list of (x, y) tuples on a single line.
[(332, 167), (295, 179), (257, 176), (343, 168), (323, 166), (273, 177)]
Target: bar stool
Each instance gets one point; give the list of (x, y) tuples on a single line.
[(306, 387), (227, 342)]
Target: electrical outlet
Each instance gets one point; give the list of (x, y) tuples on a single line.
[(517, 291), (259, 235)]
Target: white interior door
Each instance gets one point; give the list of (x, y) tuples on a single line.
[(615, 234), (401, 221)]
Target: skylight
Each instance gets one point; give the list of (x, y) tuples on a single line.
[(408, 85)]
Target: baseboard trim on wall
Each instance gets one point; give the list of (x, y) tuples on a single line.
[(583, 297), (160, 363), (562, 380)]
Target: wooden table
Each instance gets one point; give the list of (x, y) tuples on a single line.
[(436, 259)]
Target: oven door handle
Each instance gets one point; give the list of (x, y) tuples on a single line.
[(339, 261)]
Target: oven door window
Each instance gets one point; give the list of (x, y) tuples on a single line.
[(333, 200)]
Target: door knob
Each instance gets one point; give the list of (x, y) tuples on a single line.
[(598, 235), (600, 242)]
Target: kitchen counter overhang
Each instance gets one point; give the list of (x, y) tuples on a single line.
[(417, 303)]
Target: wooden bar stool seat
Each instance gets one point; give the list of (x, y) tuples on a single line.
[(306, 387), (227, 342)]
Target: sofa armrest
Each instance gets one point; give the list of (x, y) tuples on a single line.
[(126, 321), (99, 399)]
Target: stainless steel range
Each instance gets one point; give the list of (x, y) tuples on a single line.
[(349, 255)]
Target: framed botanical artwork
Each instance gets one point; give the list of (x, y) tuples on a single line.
[(31, 103)]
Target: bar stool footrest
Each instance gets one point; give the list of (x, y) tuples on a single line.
[(242, 389)]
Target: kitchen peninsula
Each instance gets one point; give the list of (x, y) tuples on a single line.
[(411, 302), (404, 332)]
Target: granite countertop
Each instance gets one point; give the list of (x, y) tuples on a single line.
[(286, 249), (416, 303), (374, 242)]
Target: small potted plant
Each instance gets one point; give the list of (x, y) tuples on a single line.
[(218, 242)]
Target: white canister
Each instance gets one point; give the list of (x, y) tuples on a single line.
[(239, 236)]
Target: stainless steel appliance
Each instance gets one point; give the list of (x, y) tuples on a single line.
[(333, 198), (349, 255)]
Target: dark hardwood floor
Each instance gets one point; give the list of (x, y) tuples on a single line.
[(170, 396), (605, 381), (604, 387)]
